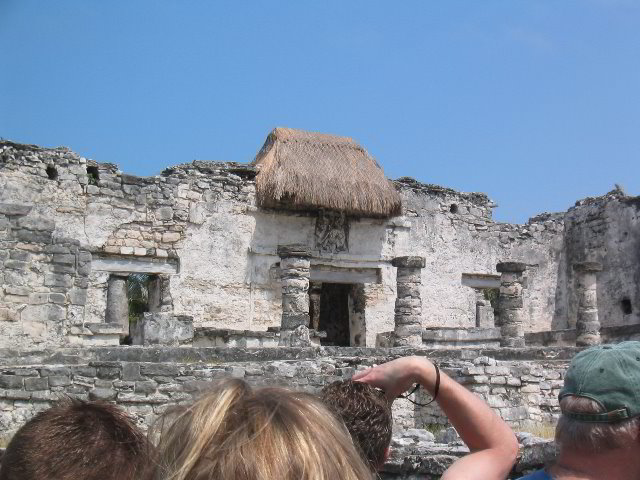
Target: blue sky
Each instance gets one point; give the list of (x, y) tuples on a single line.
[(536, 103)]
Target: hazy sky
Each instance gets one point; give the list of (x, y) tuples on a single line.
[(536, 103)]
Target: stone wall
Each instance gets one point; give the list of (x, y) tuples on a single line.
[(57, 209), (456, 235), (222, 337), (522, 386), (523, 393), (418, 454), (45, 282), (68, 224), (605, 230), (568, 337)]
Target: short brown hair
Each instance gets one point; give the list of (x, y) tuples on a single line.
[(366, 414), (76, 440)]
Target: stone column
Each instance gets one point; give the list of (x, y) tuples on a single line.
[(160, 294), (167, 299), (117, 303), (484, 314), (408, 311), (315, 291), (587, 324), (155, 294), (510, 303), (294, 274)]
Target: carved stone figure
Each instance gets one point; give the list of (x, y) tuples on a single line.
[(332, 232)]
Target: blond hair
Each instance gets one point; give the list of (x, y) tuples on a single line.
[(572, 434), (238, 432)]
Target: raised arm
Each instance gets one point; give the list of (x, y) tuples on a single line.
[(492, 443)]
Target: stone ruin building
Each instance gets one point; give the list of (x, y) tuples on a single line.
[(298, 268)]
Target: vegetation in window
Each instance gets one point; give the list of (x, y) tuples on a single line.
[(137, 296), (492, 295)]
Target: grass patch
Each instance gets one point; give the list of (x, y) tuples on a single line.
[(541, 430), (435, 427)]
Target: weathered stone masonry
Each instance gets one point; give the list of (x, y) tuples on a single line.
[(294, 274), (62, 241), (145, 381), (511, 304), (224, 272), (587, 325), (408, 308), (522, 387), (196, 227)]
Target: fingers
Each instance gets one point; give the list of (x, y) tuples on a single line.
[(375, 379), (359, 376), (371, 377)]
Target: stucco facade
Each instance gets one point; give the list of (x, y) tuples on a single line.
[(68, 225)]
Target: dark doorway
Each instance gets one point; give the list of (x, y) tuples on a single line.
[(338, 309), (334, 313)]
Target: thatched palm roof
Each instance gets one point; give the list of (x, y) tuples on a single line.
[(306, 170)]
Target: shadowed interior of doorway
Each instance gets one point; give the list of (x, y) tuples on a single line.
[(338, 310)]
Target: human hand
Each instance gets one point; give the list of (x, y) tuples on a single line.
[(397, 376)]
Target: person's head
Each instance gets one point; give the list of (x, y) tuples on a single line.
[(366, 414), (600, 400), (245, 433), (76, 440)]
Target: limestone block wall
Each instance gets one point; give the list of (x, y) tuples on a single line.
[(57, 203), (44, 281), (145, 381), (523, 393), (199, 216), (371, 246), (198, 225), (606, 230), (456, 235)]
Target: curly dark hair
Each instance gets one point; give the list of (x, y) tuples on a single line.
[(366, 413), (77, 440)]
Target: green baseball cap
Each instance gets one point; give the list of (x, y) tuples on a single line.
[(610, 375)]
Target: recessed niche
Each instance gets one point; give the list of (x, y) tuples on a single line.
[(625, 304), (453, 208), (94, 175), (52, 173)]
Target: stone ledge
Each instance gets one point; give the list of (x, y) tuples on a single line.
[(554, 337), (461, 334), (409, 262), (271, 332), (76, 356), (219, 332), (14, 209), (587, 266), (449, 344), (567, 337), (428, 460), (294, 250), (105, 328)]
